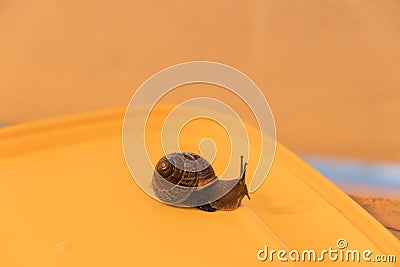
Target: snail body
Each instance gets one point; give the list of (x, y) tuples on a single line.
[(188, 179)]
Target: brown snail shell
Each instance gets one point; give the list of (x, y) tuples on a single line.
[(177, 176)]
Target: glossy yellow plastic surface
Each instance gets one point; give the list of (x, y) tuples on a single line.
[(68, 199)]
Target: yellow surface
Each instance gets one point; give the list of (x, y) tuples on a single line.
[(67, 199)]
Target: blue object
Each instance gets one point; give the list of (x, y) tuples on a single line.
[(358, 177)]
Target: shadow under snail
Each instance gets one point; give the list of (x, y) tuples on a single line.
[(177, 177)]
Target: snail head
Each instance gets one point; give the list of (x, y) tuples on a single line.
[(242, 181)]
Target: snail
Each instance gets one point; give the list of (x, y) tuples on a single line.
[(187, 179)]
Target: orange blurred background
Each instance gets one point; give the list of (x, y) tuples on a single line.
[(329, 69)]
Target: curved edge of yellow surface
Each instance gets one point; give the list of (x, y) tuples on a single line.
[(68, 199), (350, 210)]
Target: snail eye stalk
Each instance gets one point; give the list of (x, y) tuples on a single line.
[(241, 166)]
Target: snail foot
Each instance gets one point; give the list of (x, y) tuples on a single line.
[(206, 207)]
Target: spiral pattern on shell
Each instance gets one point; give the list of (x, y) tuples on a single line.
[(178, 175)]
